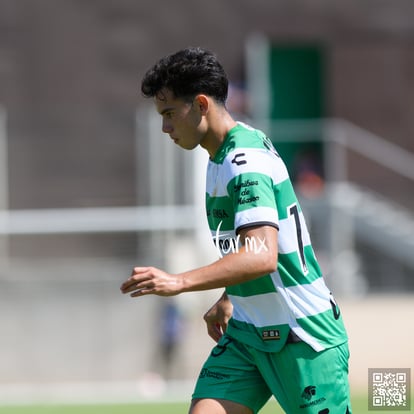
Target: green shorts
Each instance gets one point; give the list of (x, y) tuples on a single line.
[(302, 380)]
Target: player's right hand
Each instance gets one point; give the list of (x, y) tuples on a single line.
[(151, 281)]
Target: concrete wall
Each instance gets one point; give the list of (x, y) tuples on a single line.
[(70, 73), (69, 79)]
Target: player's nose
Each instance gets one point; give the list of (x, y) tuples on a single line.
[(167, 127)]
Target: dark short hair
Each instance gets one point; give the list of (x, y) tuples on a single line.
[(187, 73)]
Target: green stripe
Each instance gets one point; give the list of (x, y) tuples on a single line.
[(252, 287), (285, 196), (290, 268), (251, 190), (220, 209), (325, 328)]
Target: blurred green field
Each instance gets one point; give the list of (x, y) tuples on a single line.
[(359, 407)]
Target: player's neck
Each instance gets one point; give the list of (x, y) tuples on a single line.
[(219, 126)]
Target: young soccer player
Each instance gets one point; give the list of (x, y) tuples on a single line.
[(278, 329)]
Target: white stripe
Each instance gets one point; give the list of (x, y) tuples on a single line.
[(260, 310), (268, 310), (308, 300), (259, 161), (255, 215), (302, 299), (283, 306), (214, 188), (287, 238)]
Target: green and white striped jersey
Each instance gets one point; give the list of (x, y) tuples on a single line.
[(248, 184)]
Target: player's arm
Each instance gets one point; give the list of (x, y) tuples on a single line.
[(256, 257), (247, 264)]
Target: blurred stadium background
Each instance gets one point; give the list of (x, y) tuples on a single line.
[(89, 187)]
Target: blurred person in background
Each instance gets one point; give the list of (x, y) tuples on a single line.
[(171, 328), (277, 326)]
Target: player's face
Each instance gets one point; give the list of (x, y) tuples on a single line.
[(180, 119)]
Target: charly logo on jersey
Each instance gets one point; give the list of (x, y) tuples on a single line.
[(238, 159), (228, 243)]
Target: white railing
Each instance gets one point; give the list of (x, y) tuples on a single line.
[(342, 135), (371, 146), (339, 135), (97, 220)]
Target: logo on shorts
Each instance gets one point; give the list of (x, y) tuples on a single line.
[(308, 393), (206, 373)]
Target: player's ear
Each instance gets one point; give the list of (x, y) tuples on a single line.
[(202, 103)]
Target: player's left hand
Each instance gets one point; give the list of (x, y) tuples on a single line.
[(217, 317), (151, 281)]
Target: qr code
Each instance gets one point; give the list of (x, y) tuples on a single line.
[(389, 389)]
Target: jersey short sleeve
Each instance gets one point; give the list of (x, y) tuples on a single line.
[(251, 188)]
